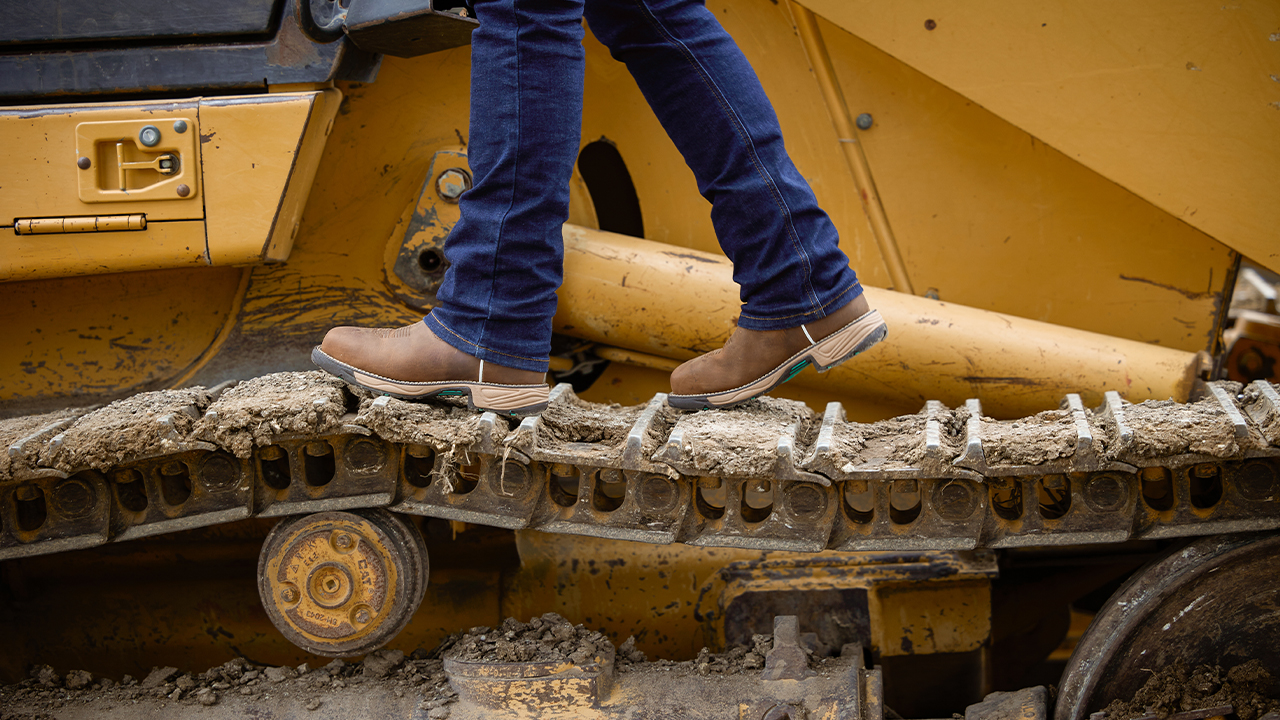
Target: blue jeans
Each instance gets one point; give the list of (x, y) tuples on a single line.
[(527, 64)]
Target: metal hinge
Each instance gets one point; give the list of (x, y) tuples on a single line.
[(95, 223)]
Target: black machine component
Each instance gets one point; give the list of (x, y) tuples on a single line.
[(80, 49)]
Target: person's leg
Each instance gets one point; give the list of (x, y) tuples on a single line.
[(490, 337), (506, 254), (796, 286)]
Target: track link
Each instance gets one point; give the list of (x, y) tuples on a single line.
[(768, 475)]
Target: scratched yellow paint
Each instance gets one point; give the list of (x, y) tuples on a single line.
[(1175, 100), (944, 617), (987, 216)]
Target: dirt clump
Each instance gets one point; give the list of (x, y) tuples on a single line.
[(742, 441), (896, 443), (145, 425), (440, 425), (1180, 688), (38, 428), (1041, 438), (1262, 413), (255, 411), (237, 680), (1163, 427), (549, 639), (571, 420)]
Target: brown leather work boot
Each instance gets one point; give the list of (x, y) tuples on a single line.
[(412, 363), (754, 362)]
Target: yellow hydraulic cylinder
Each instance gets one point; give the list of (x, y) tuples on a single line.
[(678, 303)]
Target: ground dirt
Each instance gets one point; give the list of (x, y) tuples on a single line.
[(1179, 688), (742, 441), (127, 429), (255, 411), (385, 675), (385, 683), (549, 639), (1041, 438), (896, 443)]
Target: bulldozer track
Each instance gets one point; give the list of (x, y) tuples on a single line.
[(769, 475)]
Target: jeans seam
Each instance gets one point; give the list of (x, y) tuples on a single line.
[(820, 308), (736, 122), (502, 224), (487, 349)]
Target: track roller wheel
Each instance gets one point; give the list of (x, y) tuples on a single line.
[(342, 583), (1213, 601)]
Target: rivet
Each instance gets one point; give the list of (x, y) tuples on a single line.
[(184, 190), (865, 121), (180, 126), (84, 163), (930, 24), (149, 136)]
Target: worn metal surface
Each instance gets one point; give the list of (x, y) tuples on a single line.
[(405, 28), (342, 584), (1212, 601), (1092, 79), (284, 56), (478, 470), (237, 190), (65, 21)]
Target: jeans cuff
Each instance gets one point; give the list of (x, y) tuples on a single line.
[(496, 357), (838, 299)]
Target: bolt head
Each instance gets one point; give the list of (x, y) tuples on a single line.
[(865, 121), (342, 541), (452, 183), (289, 595), (180, 126), (363, 616), (149, 136), (184, 190), (84, 163)]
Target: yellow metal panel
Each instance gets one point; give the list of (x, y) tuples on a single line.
[(260, 156), (926, 618), (81, 337), (1175, 101), (161, 245), (990, 217), (39, 176)]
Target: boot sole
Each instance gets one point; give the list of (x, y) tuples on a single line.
[(852, 339), (488, 397)]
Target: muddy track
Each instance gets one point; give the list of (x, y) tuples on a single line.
[(769, 474)]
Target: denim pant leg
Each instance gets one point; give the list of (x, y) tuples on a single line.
[(706, 95), (506, 253)]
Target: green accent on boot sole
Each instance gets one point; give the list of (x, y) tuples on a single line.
[(449, 393), (795, 370)]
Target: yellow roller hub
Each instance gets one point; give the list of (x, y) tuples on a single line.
[(338, 583)]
